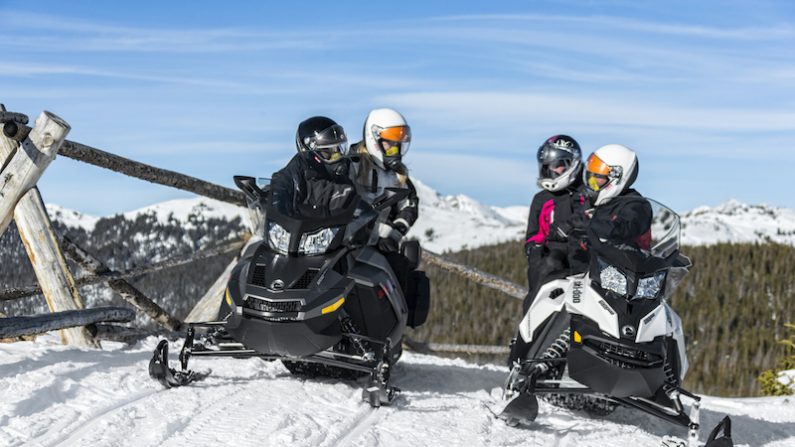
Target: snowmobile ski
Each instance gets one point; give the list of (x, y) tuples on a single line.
[(523, 409), (169, 377)]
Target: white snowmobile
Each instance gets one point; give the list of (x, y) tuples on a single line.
[(607, 337)]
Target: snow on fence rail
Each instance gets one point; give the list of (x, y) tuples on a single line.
[(24, 155)]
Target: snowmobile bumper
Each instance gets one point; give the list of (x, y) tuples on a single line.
[(284, 338), (608, 366)]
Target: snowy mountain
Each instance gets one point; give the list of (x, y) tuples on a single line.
[(60, 395), (454, 222), (737, 222)]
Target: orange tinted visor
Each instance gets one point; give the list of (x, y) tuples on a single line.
[(398, 133), (597, 166)]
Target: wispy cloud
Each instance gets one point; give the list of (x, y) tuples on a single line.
[(629, 24)]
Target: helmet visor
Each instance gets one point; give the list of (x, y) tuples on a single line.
[(329, 144), (393, 141), (554, 168), (597, 173)]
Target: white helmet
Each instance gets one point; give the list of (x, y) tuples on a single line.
[(610, 171), (387, 137)]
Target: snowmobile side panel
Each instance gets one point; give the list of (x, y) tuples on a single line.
[(584, 300), (543, 306), (676, 327), (652, 325)]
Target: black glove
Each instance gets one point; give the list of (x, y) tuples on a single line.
[(388, 245)]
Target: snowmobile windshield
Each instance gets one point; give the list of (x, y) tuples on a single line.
[(636, 233)]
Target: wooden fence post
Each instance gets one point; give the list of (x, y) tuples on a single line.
[(20, 199), (29, 162)]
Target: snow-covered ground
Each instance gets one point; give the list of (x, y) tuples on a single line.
[(58, 395)]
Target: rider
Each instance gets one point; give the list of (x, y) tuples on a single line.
[(316, 180), (609, 173), (386, 140), (556, 224)]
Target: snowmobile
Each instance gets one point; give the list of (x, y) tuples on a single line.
[(607, 337), (314, 293)]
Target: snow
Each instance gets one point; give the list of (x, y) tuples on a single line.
[(59, 395), (71, 218)]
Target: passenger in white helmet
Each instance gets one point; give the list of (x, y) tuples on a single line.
[(385, 141), (621, 215)]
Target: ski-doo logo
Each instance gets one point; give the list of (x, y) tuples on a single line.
[(576, 292), (277, 285), (648, 319), (607, 307)]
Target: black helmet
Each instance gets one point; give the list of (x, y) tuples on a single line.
[(323, 136), (559, 162)]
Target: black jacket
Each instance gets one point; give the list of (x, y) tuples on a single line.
[(370, 181), (309, 187), (624, 220)]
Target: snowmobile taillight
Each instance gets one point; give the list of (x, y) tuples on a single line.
[(381, 292), (333, 307)]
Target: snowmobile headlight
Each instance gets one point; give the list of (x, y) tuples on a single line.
[(649, 286), (317, 242), (611, 279), (278, 237)]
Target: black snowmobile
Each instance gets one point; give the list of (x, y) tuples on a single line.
[(316, 294), (607, 337)]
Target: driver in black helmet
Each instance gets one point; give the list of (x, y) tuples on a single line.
[(316, 181)]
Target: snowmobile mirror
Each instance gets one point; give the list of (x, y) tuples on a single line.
[(249, 187)]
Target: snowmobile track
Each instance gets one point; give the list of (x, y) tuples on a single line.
[(364, 420), (96, 417)]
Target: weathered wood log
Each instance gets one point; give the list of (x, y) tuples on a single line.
[(23, 292), (210, 304), (125, 334), (150, 173), (431, 348), (208, 307), (55, 279), (127, 291), (485, 279), (29, 162), (39, 324)]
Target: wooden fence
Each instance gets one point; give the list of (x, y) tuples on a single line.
[(25, 153)]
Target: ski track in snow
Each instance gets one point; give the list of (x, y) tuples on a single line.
[(60, 396)]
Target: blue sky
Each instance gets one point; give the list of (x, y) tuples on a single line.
[(703, 91)]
